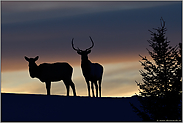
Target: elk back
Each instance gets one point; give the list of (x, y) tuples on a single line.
[(54, 72)]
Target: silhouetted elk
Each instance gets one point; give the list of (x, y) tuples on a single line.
[(91, 71), (51, 72)]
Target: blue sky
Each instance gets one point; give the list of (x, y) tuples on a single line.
[(119, 30)]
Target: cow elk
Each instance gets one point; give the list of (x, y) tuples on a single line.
[(91, 71), (51, 72)]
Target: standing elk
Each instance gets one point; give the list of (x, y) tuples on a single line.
[(91, 71), (51, 72)]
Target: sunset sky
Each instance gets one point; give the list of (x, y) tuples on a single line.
[(118, 29)]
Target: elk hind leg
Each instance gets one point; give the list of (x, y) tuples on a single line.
[(100, 82), (66, 82), (73, 87), (92, 88), (96, 87)]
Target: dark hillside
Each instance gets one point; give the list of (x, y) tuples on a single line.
[(30, 107)]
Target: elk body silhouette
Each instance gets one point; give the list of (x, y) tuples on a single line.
[(91, 71), (52, 72)]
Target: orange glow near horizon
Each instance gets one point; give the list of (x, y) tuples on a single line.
[(118, 81), (9, 65)]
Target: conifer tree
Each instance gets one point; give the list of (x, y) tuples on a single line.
[(161, 87)]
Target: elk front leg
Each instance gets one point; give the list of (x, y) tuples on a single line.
[(88, 85), (48, 86)]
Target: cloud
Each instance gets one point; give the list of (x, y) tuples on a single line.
[(118, 35), (31, 11)]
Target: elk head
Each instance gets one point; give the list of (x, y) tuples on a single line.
[(32, 66), (31, 60), (83, 53)]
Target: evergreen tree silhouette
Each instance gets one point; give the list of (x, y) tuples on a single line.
[(161, 89)]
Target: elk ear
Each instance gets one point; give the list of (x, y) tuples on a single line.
[(36, 58), (26, 58), (79, 52), (89, 51)]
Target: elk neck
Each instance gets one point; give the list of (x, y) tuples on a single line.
[(85, 65), (84, 60)]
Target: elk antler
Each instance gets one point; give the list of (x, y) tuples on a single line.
[(73, 45), (92, 44)]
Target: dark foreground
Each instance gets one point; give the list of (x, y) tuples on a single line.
[(30, 107)]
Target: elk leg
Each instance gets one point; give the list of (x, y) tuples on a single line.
[(48, 86), (92, 88), (67, 89), (96, 87), (73, 87), (88, 85), (100, 81), (67, 86)]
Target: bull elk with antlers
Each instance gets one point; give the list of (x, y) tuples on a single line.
[(91, 71)]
